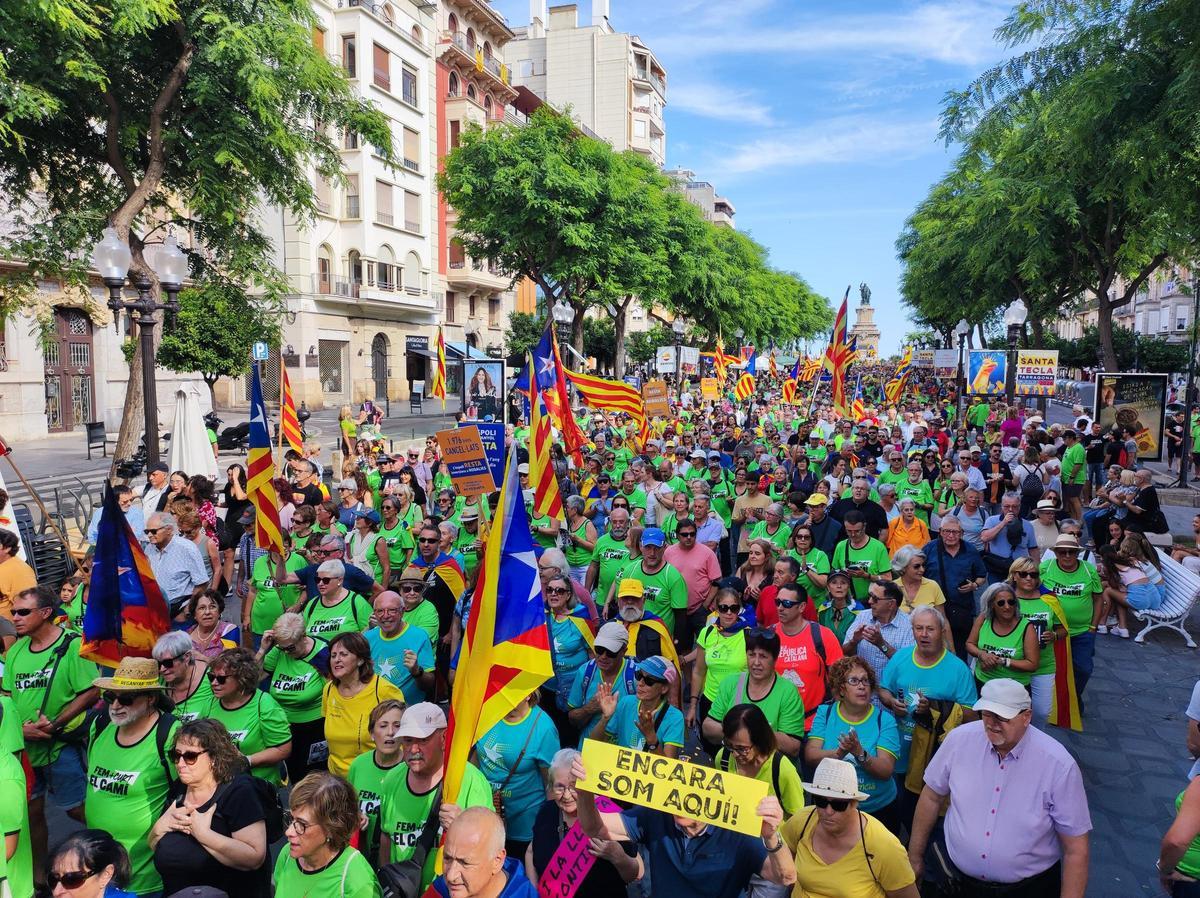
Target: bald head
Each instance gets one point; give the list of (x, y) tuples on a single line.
[(482, 825), (474, 853)]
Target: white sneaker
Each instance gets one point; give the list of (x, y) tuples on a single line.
[(1120, 631), (1112, 620), (1101, 629)]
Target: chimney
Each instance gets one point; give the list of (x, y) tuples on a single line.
[(537, 19), (600, 13)]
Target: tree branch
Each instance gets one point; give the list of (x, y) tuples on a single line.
[(1137, 282), (112, 143)]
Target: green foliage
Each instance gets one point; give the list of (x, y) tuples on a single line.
[(1138, 352), (522, 333), (641, 345), (214, 331), (600, 341)]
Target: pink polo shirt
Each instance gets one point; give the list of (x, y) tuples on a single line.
[(699, 567)]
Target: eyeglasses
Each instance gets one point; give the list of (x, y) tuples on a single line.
[(406, 588), (25, 612), (729, 609), (217, 679), (917, 565), (558, 590), (289, 821), (427, 540), (150, 531), (857, 681), (187, 757), (1055, 551), (1024, 573), (838, 804), (327, 579), (740, 750), (689, 534), (124, 699), (559, 789), (601, 650), (72, 879), (170, 662), (787, 603), (649, 680), (291, 648)]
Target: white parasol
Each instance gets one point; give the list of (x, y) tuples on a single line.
[(191, 451)]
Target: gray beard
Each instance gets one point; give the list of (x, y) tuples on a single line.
[(630, 613)]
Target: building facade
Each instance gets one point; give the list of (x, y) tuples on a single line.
[(701, 194)]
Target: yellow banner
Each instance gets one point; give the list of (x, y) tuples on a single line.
[(710, 388), (727, 800)]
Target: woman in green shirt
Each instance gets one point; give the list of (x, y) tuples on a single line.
[(720, 651), (1027, 583), (368, 770), (319, 860), (297, 666), (814, 564), (773, 529), (750, 750), (582, 536), (396, 532), (1002, 642), (679, 510)]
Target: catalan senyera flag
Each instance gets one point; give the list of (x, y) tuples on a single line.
[(789, 391), (857, 409), (722, 360), (289, 423), (260, 469), (1064, 702), (811, 367), (126, 611), (611, 395), (746, 383), (547, 498), (505, 654), (438, 388)]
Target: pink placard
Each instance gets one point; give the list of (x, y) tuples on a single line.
[(572, 860)]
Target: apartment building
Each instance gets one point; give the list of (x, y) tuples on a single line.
[(704, 196), (1162, 308), (612, 82)]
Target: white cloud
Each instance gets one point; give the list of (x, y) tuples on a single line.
[(719, 102), (835, 141)]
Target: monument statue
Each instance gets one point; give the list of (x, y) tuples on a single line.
[(865, 292)]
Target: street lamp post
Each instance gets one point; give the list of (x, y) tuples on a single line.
[(563, 315), (961, 330), (1014, 318), (677, 328), (111, 258)]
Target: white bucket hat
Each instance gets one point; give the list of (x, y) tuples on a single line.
[(835, 779)]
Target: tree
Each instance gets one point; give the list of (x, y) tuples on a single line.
[(214, 332), (521, 335), (599, 342), (147, 115), (643, 344)]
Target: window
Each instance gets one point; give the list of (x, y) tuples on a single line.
[(412, 211), (324, 195), (493, 312), (1181, 317), (471, 39), (525, 67), (452, 23), (472, 94), (408, 81), (639, 128), (385, 268), (417, 35), (450, 306), (319, 39), (1164, 319), (349, 140), (383, 203), (388, 16), (352, 205), (458, 258), (383, 76), (455, 131), (412, 150), (487, 106), (324, 272), (452, 87), (487, 49), (349, 55), (471, 306)]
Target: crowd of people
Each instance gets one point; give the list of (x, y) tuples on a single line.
[(878, 618)]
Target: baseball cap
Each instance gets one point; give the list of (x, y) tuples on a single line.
[(369, 513), (613, 635), (698, 453), (522, 468), (421, 721), (815, 499), (845, 575), (247, 515), (652, 536), (714, 455), (1004, 697), (161, 467), (658, 667), (630, 587)]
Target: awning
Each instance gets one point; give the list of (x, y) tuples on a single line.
[(427, 353), (465, 351)]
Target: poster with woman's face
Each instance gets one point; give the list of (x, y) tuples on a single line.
[(484, 386)]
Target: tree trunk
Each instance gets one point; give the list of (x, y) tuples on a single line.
[(133, 415), (212, 391), (1039, 332), (1108, 353), (619, 324), (577, 336), (982, 338)]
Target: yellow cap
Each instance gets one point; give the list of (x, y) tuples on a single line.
[(631, 587)]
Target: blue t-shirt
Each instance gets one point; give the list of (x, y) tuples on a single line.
[(534, 739), (718, 863), (623, 724), (947, 679), (570, 648), (587, 681), (388, 655), (878, 732)]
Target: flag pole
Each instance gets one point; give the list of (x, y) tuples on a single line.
[(281, 376)]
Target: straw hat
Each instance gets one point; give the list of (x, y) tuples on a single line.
[(835, 779), (1065, 541), (132, 675)]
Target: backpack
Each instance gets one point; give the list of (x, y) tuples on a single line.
[(162, 732), (1032, 487), (723, 760), (627, 670), (351, 595)]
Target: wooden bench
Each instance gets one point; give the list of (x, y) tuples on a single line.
[(1183, 588)]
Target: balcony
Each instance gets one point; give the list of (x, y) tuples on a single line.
[(469, 275), (456, 42), (385, 218), (653, 79), (464, 109), (380, 12), (412, 165)]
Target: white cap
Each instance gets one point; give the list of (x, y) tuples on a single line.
[(422, 720), (1004, 697), (612, 636)]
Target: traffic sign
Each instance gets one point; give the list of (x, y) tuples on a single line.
[(260, 351)]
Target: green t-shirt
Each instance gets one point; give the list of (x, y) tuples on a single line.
[(346, 876), (257, 725), (1074, 464), (1010, 646), (890, 476), (1074, 591), (779, 538), (403, 814), (14, 818), (546, 542), (73, 612), (127, 790), (27, 676), (723, 655), (819, 562), (12, 738), (270, 599), (872, 558), (366, 776), (782, 706), (197, 704), (978, 414), (400, 542), (295, 683), (919, 492), (350, 614), (637, 499), (425, 617), (611, 555), (666, 590), (1038, 613)]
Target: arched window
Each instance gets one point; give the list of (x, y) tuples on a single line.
[(412, 271), (385, 268), (417, 36), (471, 39), (452, 23), (487, 106), (472, 94), (325, 269), (388, 16), (453, 87), (356, 272), (487, 49)]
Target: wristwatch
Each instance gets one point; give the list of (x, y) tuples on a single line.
[(651, 746)]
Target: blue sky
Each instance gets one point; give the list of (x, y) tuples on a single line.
[(816, 118)]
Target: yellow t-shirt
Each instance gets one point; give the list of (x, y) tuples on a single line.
[(347, 721), (850, 876), (928, 593)]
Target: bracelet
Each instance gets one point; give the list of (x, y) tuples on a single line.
[(778, 844), (1008, 662)]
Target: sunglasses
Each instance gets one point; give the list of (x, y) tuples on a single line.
[(187, 757), (558, 591), (649, 680), (729, 609), (412, 587), (838, 804), (150, 531), (1004, 603), (786, 603), (609, 653), (217, 679), (427, 540), (1024, 573), (25, 612), (72, 879), (327, 579)]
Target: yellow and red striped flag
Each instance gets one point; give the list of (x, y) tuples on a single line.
[(746, 383), (547, 498), (260, 469), (438, 388), (811, 367), (289, 423), (771, 366)]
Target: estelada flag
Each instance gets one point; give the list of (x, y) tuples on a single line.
[(260, 469), (126, 611)]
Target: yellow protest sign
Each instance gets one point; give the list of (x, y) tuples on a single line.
[(710, 388), (655, 398), (727, 800)]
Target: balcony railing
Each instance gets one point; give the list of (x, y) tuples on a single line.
[(490, 63), (414, 226), (323, 206), (412, 165), (385, 218), (458, 263), (346, 287)]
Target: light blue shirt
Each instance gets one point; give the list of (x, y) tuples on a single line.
[(388, 656), (135, 517), (623, 724)]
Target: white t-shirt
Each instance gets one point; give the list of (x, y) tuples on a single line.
[(1193, 713)]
